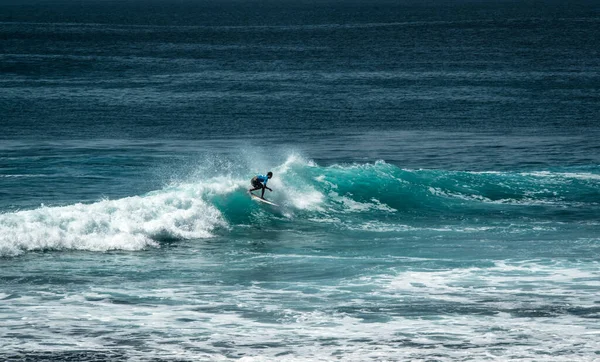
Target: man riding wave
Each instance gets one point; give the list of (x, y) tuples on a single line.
[(260, 182)]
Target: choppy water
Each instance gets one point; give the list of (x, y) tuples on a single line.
[(437, 167)]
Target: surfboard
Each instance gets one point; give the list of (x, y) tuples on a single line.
[(257, 198)]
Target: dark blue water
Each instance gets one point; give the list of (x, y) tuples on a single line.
[(436, 167)]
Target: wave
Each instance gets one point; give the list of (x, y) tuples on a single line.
[(370, 197)]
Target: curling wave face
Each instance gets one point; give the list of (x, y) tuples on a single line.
[(371, 197)]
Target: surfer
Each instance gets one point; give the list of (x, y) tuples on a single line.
[(260, 182)]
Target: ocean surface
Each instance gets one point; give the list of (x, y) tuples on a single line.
[(437, 167)]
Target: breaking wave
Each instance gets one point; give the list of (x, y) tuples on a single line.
[(370, 194)]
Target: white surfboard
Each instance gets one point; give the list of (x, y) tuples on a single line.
[(257, 198)]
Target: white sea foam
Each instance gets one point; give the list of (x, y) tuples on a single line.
[(566, 175), (384, 227), (131, 223), (258, 323), (528, 200), (23, 175), (294, 160), (306, 200), (502, 282)]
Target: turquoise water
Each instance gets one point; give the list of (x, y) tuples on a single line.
[(437, 169)]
